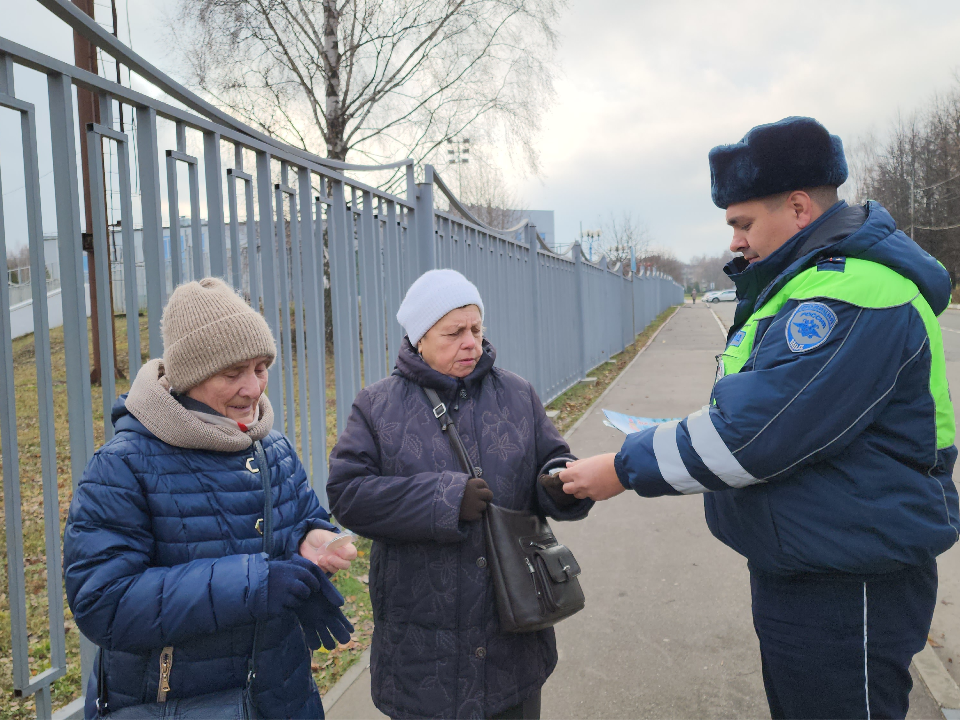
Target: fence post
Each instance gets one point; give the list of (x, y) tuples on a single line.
[(580, 320), (426, 239), (533, 242)]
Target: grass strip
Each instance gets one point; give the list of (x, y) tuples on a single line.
[(575, 401)]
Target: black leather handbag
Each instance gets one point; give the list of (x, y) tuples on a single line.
[(233, 704), (535, 577)]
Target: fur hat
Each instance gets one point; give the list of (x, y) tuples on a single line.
[(433, 295), (208, 327), (791, 154)]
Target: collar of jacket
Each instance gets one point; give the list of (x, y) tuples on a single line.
[(150, 402), (756, 281), (414, 368)]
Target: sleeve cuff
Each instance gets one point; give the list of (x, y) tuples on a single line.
[(446, 519), (300, 533), (621, 471), (576, 511)]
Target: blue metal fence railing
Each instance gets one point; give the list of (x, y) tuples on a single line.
[(552, 317)]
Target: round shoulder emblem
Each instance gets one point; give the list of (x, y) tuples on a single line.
[(809, 326)]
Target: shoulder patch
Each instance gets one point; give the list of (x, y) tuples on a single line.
[(809, 326), (737, 339)]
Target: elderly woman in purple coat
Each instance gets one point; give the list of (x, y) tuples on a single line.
[(438, 650)]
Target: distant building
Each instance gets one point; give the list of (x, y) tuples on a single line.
[(543, 219)]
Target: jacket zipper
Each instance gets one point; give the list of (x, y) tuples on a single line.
[(536, 585), (166, 664)]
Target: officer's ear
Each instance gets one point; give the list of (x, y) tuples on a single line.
[(803, 208)]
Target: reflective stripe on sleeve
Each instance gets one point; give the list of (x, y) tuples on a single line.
[(713, 450), (669, 461)]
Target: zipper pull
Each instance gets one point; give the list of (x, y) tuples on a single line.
[(529, 565), (166, 664)]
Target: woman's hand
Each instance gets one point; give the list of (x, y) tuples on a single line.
[(329, 561), (476, 495), (593, 477)]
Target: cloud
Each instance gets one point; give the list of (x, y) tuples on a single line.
[(649, 88)]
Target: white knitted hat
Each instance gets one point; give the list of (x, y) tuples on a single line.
[(433, 295), (208, 327)]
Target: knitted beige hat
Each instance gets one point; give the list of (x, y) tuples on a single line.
[(207, 327)]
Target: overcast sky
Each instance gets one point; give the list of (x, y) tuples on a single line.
[(647, 88)]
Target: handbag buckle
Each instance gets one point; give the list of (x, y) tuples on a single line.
[(439, 410)]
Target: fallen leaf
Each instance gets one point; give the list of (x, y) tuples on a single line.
[(365, 579), (933, 643)]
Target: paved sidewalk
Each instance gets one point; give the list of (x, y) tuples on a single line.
[(667, 631)]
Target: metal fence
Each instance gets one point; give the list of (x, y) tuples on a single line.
[(20, 285), (551, 317)]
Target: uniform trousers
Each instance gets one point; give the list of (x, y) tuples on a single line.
[(840, 646)]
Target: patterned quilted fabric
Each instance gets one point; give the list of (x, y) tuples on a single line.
[(437, 647)]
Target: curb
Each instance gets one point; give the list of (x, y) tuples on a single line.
[(344, 683), (586, 413), (938, 682), (953, 306)]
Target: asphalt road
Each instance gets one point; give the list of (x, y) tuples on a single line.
[(667, 629)]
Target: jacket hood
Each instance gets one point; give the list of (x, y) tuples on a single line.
[(415, 369), (866, 232), (879, 241)]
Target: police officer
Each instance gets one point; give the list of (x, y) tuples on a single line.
[(826, 452)]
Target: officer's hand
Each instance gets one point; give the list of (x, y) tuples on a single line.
[(593, 477)]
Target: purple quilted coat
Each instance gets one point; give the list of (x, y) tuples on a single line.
[(437, 647)]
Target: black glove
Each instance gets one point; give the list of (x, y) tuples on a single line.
[(322, 620), (554, 487), (475, 498), (289, 583)]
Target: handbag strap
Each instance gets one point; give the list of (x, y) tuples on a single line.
[(266, 476), (446, 424)]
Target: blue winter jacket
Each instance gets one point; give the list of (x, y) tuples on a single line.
[(820, 457), (438, 651), (160, 549)]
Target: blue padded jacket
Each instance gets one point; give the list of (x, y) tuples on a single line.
[(829, 446), (160, 549)]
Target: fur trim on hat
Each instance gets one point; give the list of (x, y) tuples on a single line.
[(150, 402), (791, 154), (208, 327), (433, 295)]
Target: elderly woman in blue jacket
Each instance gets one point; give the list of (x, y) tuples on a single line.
[(163, 548), (438, 650)]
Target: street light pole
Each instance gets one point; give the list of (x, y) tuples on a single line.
[(455, 156)]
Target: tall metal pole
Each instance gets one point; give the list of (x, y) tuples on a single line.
[(88, 110)]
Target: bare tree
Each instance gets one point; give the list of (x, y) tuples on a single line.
[(915, 173), (664, 260), (380, 78), (624, 237), (705, 270), (486, 192), (19, 258)]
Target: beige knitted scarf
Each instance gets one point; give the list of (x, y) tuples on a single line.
[(150, 402)]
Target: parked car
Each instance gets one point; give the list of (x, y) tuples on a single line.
[(715, 296)]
